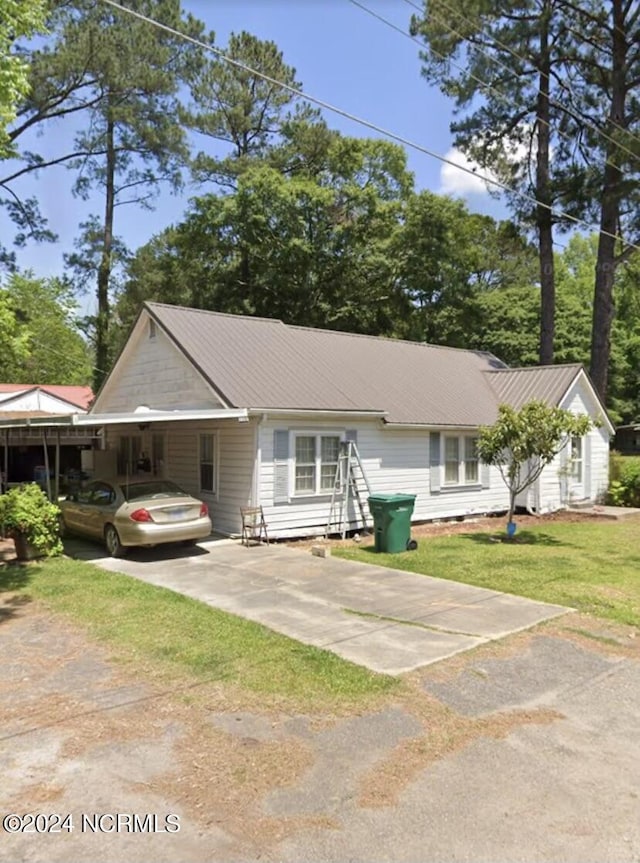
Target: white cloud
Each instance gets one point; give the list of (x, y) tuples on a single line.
[(453, 181)]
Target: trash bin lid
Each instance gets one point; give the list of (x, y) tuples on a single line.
[(392, 498)]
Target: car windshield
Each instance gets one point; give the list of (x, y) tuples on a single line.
[(152, 489)]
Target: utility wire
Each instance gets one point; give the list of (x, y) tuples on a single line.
[(485, 85), (364, 122), (523, 59)]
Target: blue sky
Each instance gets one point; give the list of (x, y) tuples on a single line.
[(343, 56)]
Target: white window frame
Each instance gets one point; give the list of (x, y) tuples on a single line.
[(159, 465), (577, 461), (317, 490), (129, 447), (212, 492), (462, 461)]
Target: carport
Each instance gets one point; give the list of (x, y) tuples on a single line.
[(49, 446), (90, 430)]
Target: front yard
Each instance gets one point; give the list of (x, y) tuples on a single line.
[(592, 565), (165, 635)]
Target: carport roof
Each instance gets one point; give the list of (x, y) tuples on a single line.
[(140, 416)]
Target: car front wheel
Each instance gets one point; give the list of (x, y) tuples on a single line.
[(112, 542)]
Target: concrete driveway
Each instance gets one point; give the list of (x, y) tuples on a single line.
[(387, 620)]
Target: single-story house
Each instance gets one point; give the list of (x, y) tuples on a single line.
[(250, 411), (24, 444)]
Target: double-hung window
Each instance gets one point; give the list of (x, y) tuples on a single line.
[(460, 460), (208, 463), (316, 463), (129, 448), (576, 459)]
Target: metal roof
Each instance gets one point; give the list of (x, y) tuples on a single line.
[(260, 363), (549, 384), (78, 396)]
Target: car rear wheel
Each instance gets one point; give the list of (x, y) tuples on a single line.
[(112, 542)]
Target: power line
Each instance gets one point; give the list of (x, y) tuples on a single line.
[(523, 59), (394, 136), (483, 84)]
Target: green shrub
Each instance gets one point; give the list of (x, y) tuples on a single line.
[(624, 480), (27, 511)]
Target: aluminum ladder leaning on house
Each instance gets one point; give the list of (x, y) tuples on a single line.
[(349, 484)]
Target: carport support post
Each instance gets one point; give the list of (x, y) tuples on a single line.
[(46, 461), (56, 477), (5, 475)]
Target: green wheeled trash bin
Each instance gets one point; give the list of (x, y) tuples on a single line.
[(392, 521)]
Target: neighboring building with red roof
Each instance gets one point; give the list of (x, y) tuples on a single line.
[(23, 447), (39, 399)]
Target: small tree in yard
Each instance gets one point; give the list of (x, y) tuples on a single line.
[(523, 442)]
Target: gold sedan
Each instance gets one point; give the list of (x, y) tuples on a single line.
[(135, 512)]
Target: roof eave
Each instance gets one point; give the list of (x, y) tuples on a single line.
[(311, 412), (144, 417)]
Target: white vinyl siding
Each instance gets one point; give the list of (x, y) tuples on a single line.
[(395, 461), (554, 488), (153, 372)]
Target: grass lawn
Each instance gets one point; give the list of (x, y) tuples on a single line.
[(593, 566), (174, 635)]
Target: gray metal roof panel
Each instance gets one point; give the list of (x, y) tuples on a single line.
[(544, 383), (264, 363)]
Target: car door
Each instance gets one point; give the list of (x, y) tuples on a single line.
[(77, 509), (100, 508)]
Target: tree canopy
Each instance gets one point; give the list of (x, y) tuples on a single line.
[(545, 94), (20, 18), (40, 334)]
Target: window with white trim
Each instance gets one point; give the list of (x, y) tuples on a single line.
[(157, 454), (316, 459), (576, 459), (461, 465), (129, 448), (208, 463)]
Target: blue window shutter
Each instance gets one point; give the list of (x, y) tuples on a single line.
[(485, 475), (352, 434), (434, 461), (281, 466)]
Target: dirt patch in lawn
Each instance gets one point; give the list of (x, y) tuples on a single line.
[(485, 524)]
